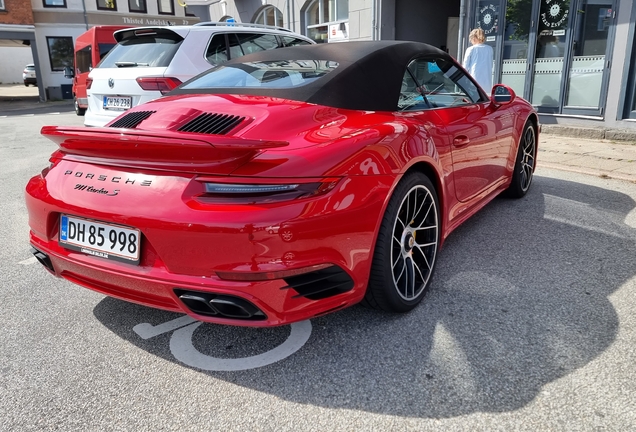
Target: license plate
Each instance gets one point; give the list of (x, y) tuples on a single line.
[(117, 102), (100, 239)]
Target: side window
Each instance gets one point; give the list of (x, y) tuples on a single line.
[(442, 84), (83, 60), (292, 41), (411, 98), (257, 42), (217, 50), (235, 46)]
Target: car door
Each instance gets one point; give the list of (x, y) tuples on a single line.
[(479, 145)]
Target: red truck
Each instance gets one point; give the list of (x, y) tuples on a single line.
[(90, 47)]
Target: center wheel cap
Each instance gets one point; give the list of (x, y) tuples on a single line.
[(409, 242)]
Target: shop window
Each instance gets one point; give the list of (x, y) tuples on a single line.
[(320, 13), (187, 12), (54, 3), (138, 6), (269, 15), (166, 7), (107, 5), (60, 52)]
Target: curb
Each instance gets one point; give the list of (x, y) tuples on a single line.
[(590, 133)]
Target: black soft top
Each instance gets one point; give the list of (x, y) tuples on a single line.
[(369, 75)]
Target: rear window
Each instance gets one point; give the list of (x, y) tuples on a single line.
[(270, 74), (148, 49), (30, 67)]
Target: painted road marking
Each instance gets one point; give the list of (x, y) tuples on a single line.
[(147, 331), (29, 261), (183, 350)]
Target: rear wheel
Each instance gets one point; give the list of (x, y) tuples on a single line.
[(406, 248), (525, 163), (78, 110)]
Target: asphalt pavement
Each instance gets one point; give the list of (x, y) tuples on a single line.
[(603, 158)]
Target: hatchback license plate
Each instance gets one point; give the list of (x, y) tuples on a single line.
[(100, 239), (117, 102)]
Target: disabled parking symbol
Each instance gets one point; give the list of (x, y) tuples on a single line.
[(183, 349)]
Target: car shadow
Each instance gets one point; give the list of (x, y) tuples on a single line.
[(519, 299)]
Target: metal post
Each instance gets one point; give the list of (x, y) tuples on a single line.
[(460, 36)]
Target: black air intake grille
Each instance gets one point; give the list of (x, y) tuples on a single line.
[(321, 283), (132, 120), (210, 123)]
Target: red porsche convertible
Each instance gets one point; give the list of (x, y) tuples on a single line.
[(283, 185)]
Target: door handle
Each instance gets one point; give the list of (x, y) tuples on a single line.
[(461, 141)]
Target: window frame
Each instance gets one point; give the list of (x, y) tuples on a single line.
[(263, 12), (48, 46), (44, 4), (171, 2), (106, 8), (145, 7), (2, 6)]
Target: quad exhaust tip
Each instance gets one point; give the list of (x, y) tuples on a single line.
[(222, 306), (43, 259)]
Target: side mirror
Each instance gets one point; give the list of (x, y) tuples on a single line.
[(68, 72), (502, 95)]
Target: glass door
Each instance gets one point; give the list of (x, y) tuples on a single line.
[(550, 50), (514, 66), (589, 67), (487, 18)]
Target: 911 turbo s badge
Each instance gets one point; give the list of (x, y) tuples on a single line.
[(91, 189)]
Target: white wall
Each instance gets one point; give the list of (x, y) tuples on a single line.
[(13, 63)]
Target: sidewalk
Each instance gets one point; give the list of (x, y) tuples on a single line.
[(602, 158)]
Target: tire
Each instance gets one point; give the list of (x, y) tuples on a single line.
[(524, 163), (407, 246), (79, 111), (26, 84)]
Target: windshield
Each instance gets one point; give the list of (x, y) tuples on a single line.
[(266, 74), (153, 51)]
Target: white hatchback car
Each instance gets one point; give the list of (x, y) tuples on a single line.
[(148, 62)]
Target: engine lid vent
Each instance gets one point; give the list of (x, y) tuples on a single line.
[(132, 120), (211, 123)]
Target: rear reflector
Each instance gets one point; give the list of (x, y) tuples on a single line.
[(164, 85)]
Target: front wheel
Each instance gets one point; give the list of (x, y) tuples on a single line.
[(524, 163), (407, 246), (78, 110)]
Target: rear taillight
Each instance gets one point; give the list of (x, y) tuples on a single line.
[(263, 193), (164, 85), (89, 83)]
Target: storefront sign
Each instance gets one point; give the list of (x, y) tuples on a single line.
[(554, 13), (339, 32), (488, 18)]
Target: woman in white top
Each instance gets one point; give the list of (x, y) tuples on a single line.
[(478, 59)]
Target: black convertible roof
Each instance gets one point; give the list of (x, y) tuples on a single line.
[(369, 75)]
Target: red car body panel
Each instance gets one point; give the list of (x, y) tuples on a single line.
[(189, 238)]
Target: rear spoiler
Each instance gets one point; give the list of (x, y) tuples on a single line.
[(158, 149)]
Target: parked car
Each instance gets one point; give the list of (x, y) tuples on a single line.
[(90, 48), (28, 75), (148, 62), (282, 185)]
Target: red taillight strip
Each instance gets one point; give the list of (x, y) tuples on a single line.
[(264, 276)]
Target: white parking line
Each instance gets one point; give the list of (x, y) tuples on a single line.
[(29, 261)]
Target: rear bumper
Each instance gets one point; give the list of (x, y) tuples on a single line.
[(184, 248)]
